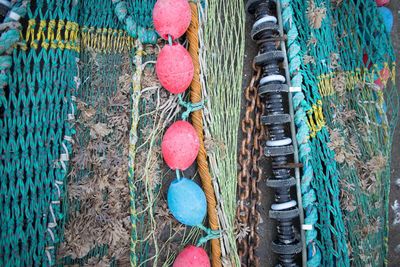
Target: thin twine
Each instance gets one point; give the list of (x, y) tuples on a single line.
[(170, 41), (178, 174), (190, 107), (211, 234)]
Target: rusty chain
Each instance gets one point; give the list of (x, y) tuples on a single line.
[(250, 174)]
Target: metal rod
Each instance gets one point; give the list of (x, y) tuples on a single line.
[(293, 131)]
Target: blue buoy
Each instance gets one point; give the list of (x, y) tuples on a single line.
[(387, 17), (187, 202)]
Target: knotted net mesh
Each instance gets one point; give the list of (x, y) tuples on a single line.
[(341, 56)]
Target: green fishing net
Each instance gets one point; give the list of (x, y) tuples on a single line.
[(36, 125), (98, 230), (65, 115), (66, 44), (341, 56)]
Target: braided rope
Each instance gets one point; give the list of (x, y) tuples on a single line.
[(136, 92), (197, 121), (146, 36), (301, 108), (8, 40), (307, 130)]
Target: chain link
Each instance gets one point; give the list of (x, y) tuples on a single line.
[(250, 174)]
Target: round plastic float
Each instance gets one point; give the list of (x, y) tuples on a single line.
[(171, 17), (180, 145), (174, 68), (187, 202), (192, 256)]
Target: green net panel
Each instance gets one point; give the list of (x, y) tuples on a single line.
[(337, 51), (36, 125), (98, 229), (37, 122)]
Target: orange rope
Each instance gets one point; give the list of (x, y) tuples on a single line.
[(197, 121)]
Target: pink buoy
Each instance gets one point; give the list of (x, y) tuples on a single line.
[(174, 68), (180, 145), (382, 2), (171, 17), (192, 256), (383, 79)]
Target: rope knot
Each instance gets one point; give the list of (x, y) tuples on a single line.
[(190, 107), (211, 234)]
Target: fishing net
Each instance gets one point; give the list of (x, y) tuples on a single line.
[(82, 116), (117, 209), (341, 56), (221, 59), (37, 113), (39, 131), (101, 215)]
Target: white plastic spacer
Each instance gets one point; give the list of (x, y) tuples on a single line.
[(295, 89), (265, 19), (14, 16), (64, 157), (68, 138), (272, 78), (307, 227), (283, 142), (284, 206)]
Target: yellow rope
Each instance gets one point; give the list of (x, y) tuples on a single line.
[(51, 34), (359, 76), (60, 34), (197, 121)]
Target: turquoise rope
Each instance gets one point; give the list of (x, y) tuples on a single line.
[(189, 106), (145, 35), (303, 132), (211, 234), (322, 212)]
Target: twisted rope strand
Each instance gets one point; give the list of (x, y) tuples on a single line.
[(197, 121)]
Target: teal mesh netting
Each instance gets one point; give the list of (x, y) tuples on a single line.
[(36, 132), (341, 56), (38, 125)]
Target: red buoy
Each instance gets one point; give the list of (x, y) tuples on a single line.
[(174, 68), (180, 145), (365, 60), (382, 2), (192, 256), (171, 17), (384, 77)]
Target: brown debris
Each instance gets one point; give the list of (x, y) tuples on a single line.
[(315, 15), (308, 59), (346, 150), (101, 164), (339, 82)]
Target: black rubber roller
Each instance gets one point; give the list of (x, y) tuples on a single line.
[(273, 92), (275, 183), (264, 28), (269, 57), (273, 88), (286, 249), (252, 5), (284, 214), (274, 119), (274, 151), (280, 173)]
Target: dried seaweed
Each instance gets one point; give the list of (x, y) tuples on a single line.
[(98, 188)]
